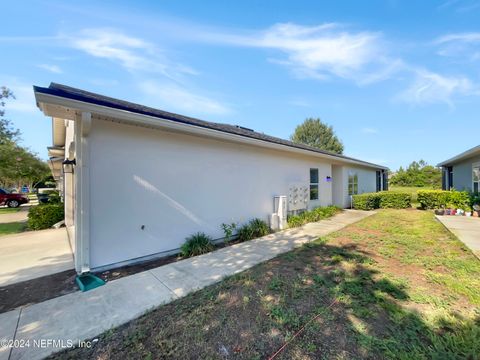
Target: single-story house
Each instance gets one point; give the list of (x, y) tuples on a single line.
[(462, 172), (137, 181)]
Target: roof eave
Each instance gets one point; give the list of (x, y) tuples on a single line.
[(64, 107), (465, 155)]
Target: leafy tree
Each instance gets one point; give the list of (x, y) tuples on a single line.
[(7, 131), (18, 165), (418, 174), (314, 132)]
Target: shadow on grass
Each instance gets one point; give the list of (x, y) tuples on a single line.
[(358, 312)]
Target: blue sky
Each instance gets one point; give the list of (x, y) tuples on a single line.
[(398, 80)]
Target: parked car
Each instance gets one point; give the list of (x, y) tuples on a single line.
[(11, 199)]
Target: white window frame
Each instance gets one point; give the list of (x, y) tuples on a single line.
[(352, 183), (317, 184), (475, 166)]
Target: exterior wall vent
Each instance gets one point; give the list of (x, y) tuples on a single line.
[(244, 128)]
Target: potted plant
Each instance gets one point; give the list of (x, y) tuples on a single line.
[(476, 210)]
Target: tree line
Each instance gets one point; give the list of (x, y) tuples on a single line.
[(19, 166)]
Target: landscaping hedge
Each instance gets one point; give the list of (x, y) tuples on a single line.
[(45, 216), (383, 199), (367, 201), (395, 200), (314, 215), (436, 199)]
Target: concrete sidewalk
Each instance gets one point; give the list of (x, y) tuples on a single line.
[(467, 229), (79, 316)]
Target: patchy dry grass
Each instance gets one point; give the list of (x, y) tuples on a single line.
[(395, 285)]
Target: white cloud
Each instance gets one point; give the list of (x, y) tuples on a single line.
[(429, 87), (320, 51), (52, 68), (171, 96), (460, 6), (132, 53), (368, 130), (463, 46), (462, 37)]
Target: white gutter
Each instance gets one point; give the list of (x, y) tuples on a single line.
[(161, 123)]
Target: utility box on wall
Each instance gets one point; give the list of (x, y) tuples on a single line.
[(278, 220)]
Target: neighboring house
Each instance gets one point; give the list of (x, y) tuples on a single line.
[(136, 181), (462, 172)]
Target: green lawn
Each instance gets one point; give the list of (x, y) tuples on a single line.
[(396, 285), (12, 228), (7, 210)]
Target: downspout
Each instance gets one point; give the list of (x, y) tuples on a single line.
[(83, 123)]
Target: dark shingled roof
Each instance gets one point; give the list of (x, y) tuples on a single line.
[(97, 99)]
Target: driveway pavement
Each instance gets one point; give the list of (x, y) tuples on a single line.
[(467, 229), (33, 254), (79, 316), (20, 215)]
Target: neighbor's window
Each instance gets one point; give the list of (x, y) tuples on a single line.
[(476, 178), (352, 184), (313, 184)]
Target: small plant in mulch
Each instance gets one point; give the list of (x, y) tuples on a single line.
[(228, 230), (253, 229), (196, 244)]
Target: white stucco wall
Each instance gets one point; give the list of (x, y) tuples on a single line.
[(175, 185), (338, 186), (366, 181)]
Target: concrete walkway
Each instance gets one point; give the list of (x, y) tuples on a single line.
[(33, 254), (20, 215), (79, 316), (467, 229)]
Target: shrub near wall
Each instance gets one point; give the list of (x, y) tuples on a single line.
[(314, 215), (45, 216), (255, 228), (436, 199), (367, 201), (395, 200), (383, 200)]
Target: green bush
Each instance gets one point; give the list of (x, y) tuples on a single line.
[(314, 215), (367, 201), (245, 233), (382, 199), (253, 229), (435, 199), (395, 200), (196, 244), (45, 216), (459, 200), (295, 221), (259, 227), (54, 197), (474, 199)]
